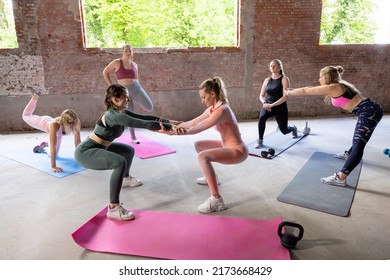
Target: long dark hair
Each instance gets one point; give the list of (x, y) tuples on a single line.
[(114, 90)]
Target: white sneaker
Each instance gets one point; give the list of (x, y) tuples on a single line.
[(130, 182), (343, 155), (119, 213), (212, 204), (334, 180), (135, 140), (202, 181)]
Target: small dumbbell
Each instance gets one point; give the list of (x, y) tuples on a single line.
[(386, 152), (268, 154)]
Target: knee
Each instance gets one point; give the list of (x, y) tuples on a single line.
[(204, 157)]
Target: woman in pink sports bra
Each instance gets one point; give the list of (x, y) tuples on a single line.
[(126, 73), (344, 95), (68, 122), (229, 150)]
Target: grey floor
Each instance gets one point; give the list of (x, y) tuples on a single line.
[(39, 212)]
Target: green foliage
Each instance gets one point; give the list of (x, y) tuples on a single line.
[(347, 22), (7, 26), (160, 23)]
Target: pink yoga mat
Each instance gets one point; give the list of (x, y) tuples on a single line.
[(179, 236), (147, 147)]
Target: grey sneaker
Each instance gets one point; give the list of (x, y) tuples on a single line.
[(119, 213), (34, 90), (294, 132), (259, 144), (212, 204), (130, 182), (334, 180), (202, 181), (343, 155)]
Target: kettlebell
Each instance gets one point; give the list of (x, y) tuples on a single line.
[(289, 240), (386, 152), (268, 154)]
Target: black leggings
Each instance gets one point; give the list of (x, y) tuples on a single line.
[(369, 114), (281, 115), (117, 156)]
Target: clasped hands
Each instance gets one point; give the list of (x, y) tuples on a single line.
[(175, 130)]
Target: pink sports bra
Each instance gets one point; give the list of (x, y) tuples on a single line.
[(343, 100), (124, 73)]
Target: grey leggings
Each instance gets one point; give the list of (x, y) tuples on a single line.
[(117, 156), (138, 95)]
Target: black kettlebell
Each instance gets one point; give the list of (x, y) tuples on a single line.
[(290, 240), (268, 154)]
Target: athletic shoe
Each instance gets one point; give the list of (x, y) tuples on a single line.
[(135, 140), (119, 213), (202, 181), (334, 180), (343, 155), (295, 132), (34, 90), (259, 144), (212, 204), (40, 148), (130, 182)]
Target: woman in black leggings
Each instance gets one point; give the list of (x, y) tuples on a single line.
[(274, 101), (346, 96), (99, 152)]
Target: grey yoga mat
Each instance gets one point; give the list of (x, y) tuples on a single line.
[(307, 190)]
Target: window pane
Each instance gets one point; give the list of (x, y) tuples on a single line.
[(8, 38), (160, 23)]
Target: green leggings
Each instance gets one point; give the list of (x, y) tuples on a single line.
[(117, 156)]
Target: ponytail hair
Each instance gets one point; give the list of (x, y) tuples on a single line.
[(114, 90), (217, 86), (333, 75)]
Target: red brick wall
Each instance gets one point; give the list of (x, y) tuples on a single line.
[(51, 55)]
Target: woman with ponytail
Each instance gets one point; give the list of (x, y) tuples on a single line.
[(100, 152), (65, 124), (343, 94), (229, 150)]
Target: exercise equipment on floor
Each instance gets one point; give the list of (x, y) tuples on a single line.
[(287, 239), (268, 153)]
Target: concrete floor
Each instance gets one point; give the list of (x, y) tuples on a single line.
[(39, 212)]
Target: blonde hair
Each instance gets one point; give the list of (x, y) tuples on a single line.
[(68, 118), (217, 86), (333, 75)]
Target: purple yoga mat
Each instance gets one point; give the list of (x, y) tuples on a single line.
[(147, 147), (179, 236)]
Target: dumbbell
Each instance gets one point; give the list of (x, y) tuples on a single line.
[(268, 154), (386, 152)]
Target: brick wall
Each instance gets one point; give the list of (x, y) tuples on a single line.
[(51, 55)]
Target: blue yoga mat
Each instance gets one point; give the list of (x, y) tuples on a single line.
[(275, 140), (41, 161)]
